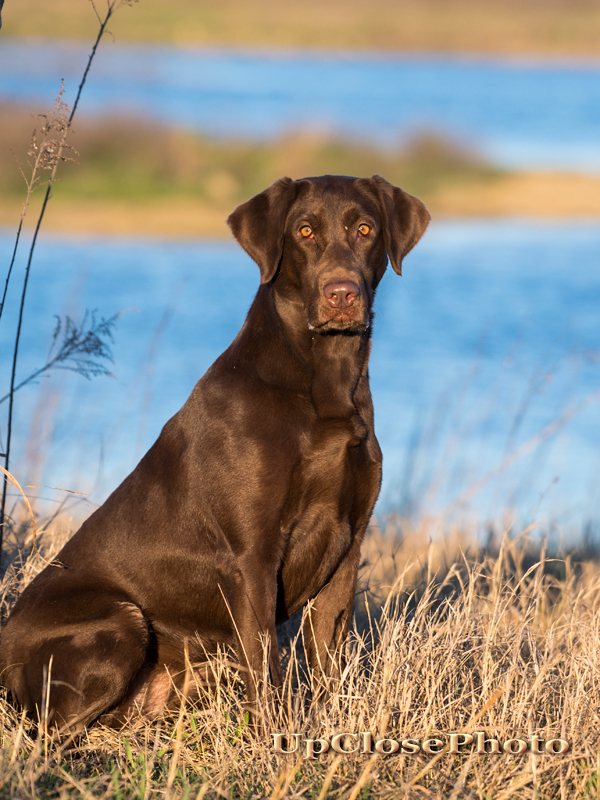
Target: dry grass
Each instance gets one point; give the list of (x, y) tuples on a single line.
[(549, 27), (448, 641)]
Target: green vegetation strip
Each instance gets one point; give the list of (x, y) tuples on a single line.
[(125, 159)]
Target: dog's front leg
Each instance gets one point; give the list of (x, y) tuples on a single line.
[(328, 618), (252, 600)]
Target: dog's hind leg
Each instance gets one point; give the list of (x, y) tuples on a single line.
[(70, 672)]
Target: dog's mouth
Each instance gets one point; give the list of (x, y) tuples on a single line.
[(340, 322)]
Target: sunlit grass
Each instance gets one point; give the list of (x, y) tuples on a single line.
[(446, 639)]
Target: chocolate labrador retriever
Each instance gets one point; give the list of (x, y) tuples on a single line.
[(254, 499)]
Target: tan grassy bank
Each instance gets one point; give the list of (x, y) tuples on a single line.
[(547, 27)]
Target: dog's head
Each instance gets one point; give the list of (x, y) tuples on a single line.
[(324, 241)]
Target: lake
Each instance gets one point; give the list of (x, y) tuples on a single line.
[(517, 113), (490, 335)]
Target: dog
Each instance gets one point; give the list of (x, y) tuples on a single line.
[(254, 499)]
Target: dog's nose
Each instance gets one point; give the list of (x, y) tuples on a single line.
[(341, 294)]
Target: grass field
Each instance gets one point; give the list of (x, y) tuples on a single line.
[(446, 639), (550, 27)]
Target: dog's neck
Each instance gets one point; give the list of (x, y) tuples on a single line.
[(339, 362), (333, 362)]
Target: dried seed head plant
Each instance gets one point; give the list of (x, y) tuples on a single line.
[(84, 348), (47, 150), (47, 147)]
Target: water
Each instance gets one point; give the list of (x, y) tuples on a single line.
[(490, 335), (516, 113)]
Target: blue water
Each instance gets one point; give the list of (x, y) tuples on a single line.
[(491, 334), (516, 113)]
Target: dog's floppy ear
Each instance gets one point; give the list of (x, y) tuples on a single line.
[(259, 223), (404, 218)]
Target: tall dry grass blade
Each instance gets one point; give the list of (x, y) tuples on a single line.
[(333, 767), (527, 447), (11, 479), (179, 725), (286, 776)]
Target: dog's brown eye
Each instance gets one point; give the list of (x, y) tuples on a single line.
[(306, 231), (364, 229)]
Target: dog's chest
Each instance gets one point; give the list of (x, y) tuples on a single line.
[(332, 490)]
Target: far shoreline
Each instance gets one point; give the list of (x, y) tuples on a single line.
[(535, 196), (492, 27)]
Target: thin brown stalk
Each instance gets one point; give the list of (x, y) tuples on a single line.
[(112, 5)]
